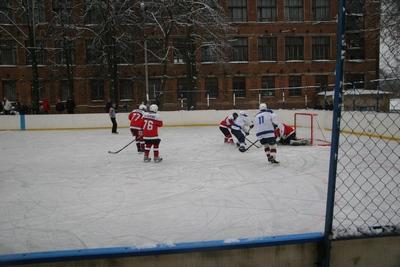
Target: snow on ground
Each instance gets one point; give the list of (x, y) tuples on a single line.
[(62, 190)]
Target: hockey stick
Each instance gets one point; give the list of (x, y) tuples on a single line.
[(116, 152), (252, 144)]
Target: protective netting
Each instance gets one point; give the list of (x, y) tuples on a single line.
[(367, 197)]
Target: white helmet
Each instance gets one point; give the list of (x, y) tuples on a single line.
[(243, 113), (154, 108), (263, 106), (142, 107)]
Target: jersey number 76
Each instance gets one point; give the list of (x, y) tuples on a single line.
[(148, 125)]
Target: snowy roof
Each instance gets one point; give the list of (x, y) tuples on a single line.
[(358, 92)]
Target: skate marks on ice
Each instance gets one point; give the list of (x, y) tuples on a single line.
[(64, 191)]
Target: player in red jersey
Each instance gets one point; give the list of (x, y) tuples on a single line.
[(285, 133), (136, 126), (151, 123), (225, 126)]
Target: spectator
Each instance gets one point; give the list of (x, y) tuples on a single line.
[(113, 116), (46, 106), (70, 105), (60, 106), (6, 106)]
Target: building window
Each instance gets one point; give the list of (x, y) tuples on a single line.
[(154, 50), (239, 86), (41, 53), (239, 49), (9, 90), (154, 88), (208, 53), (355, 46), (237, 10), (64, 90), (267, 48), (126, 54), (354, 81), (179, 50), (183, 88), (294, 10), (7, 13), (266, 10), (38, 11), (211, 86), (355, 6), (294, 85), (92, 12), (321, 10), (354, 23), (321, 81), (63, 9), (93, 54), (294, 48), (64, 50), (321, 48), (268, 86), (125, 89), (7, 52), (97, 89)]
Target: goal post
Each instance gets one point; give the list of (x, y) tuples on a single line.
[(306, 126)]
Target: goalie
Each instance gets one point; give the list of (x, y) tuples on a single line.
[(286, 135)]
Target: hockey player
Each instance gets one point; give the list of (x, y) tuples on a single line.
[(136, 124), (285, 133), (151, 123), (241, 127), (225, 126), (265, 122)]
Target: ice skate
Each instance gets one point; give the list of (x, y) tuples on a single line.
[(146, 159), (274, 161), (157, 160), (270, 158)]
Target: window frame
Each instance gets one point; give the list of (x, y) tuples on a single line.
[(96, 89), (265, 80), (236, 7), (321, 48), (295, 81), (294, 51), (321, 10), (292, 8), (209, 86), (267, 48), (240, 51), (239, 92), (266, 7), (8, 47)]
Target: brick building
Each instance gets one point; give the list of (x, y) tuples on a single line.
[(284, 54)]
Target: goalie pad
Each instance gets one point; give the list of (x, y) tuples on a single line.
[(299, 142)]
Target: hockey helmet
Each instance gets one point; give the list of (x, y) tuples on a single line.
[(154, 108), (143, 107), (243, 113), (235, 115), (263, 106)]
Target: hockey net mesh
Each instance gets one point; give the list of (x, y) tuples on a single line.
[(367, 196), (308, 127)]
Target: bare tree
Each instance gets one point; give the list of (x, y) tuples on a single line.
[(113, 24), (31, 13), (197, 24)]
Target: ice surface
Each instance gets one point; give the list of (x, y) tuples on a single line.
[(62, 190)]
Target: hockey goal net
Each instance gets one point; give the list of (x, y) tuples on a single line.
[(308, 127)]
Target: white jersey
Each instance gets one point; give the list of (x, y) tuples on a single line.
[(264, 123), (242, 123)]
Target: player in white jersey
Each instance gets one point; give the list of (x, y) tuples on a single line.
[(265, 124), (240, 127)]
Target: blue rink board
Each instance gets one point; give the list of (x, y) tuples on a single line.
[(67, 255)]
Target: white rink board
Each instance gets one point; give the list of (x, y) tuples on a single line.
[(62, 190)]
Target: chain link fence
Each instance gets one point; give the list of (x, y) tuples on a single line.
[(367, 196)]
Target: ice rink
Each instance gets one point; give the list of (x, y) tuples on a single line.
[(62, 190)]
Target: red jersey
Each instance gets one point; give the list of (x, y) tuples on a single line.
[(283, 131), (227, 122), (151, 123), (136, 119)]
